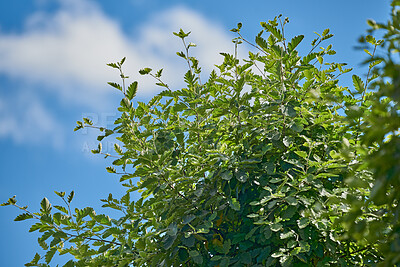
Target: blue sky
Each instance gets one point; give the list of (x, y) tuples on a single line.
[(53, 56)]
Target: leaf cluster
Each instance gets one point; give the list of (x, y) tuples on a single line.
[(257, 166), (376, 121)]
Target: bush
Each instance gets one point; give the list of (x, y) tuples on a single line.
[(257, 166)]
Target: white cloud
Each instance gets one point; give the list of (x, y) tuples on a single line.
[(25, 120), (65, 53), (210, 38)]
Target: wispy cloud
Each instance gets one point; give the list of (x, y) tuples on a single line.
[(65, 54), (24, 119), (68, 50)]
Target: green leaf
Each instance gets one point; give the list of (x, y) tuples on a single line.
[(111, 170), (70, 196), (188, 218), (261, 42), (181, 54), (291, 200), (172, 229), (111, 231), (241, 176), (289, 212), (276, 227), (34, 261), (98, 150), (216, 258), (5, 203), (272, 29), (45, 205), (36, 227), (97, 228), (197, 258), (60, 234), (103, 219), (234, 204), (277, 254), (267, 232), (23, 216), (104, 248), (69, 263), (227, 246), (115, 85), (183, 254), (251, 233), (49, 255), (327, 36), (60, 194), (126, 103), (305, 247), (12, 200), (181, 34), (42, 244), (194, 253), (226, 175), (88, 121), (320, 59), (301, 154), (366, 51), (286, 235), (308, 58), (245, 258), (375, 62), (118, 149), (132, 89), (169, 241), (55, 241), (291, 243), (159, 73), (288, 110), (294, 43), (122, 61), (145, 71), (370, 39), (358, 84), (325, 32), (113, 65), (303, 222), (140, 244), (60, 208)]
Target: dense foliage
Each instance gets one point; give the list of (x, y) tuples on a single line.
[(378, 143), (269, 162)]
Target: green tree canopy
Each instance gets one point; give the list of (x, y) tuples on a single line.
[(269, 162), (378, 142)]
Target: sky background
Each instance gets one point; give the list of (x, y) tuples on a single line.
[(53, 72)]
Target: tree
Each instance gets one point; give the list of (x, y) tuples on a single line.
[(257, 166), (378, 143)]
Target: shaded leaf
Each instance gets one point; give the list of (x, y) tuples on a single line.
[(295, 42), (23, 216), (45, 205), (303, 222), (132, 89), (49, 254), (70, 196), (358, 84)]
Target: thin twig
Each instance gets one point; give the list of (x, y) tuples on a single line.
[(61, 230), (255, 46)]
